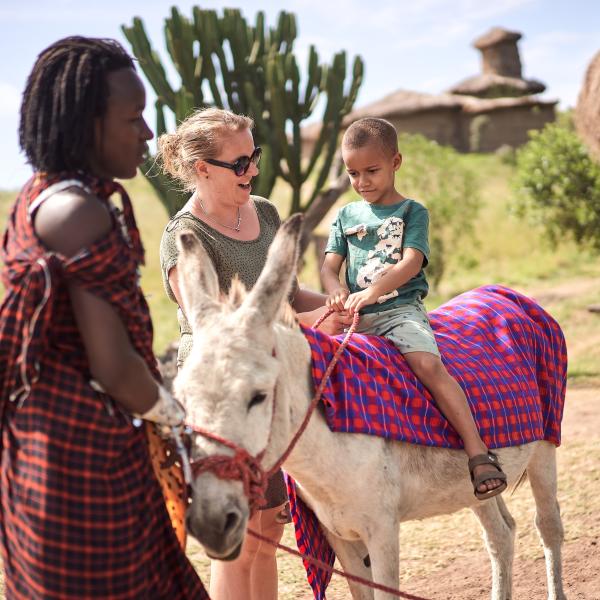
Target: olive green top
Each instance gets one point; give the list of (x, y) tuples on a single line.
[(229, 256)]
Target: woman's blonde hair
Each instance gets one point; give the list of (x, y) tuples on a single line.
[(198, 137)]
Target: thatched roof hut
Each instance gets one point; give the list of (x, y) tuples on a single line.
[(404, 102), (587, 112), (483, 113), (467, 123), (489, 85), (501, 74)]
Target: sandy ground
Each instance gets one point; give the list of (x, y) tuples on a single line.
[(467, 577)]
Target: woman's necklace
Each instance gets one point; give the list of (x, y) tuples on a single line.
[(235, 227)]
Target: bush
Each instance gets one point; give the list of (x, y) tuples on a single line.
[(477, 130), (436, 176), (507, 155), (558, 185)]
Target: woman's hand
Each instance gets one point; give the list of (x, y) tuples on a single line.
[(334, 324), (337, 298)]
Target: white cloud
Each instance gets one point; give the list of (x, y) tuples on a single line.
[(475, 10), (54, 12)]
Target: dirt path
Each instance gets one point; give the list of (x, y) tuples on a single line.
[(467, 577)]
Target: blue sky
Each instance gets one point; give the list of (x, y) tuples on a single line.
[(422, 45)]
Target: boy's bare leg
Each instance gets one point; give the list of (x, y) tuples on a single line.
[(453, 404)]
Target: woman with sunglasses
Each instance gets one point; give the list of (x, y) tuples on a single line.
[(212, 153)]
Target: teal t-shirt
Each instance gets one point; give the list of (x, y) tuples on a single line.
[(371, 237)]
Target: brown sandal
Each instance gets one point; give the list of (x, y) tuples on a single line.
[(486, 459)]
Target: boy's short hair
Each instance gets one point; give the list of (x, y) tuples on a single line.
[(370, 129)]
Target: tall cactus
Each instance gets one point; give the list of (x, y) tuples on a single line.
[(225, 62)]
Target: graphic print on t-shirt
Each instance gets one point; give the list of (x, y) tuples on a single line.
[(386, 253)]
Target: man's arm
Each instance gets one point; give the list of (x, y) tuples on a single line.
[(66, 223)]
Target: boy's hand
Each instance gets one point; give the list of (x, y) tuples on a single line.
[(337, 298), (356, 301)]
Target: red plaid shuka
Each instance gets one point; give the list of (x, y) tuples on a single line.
[(505, 351), (82, 514)]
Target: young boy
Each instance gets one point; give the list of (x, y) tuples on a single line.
[(383, 239)]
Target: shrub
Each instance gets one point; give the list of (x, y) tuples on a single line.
[(558, 185), (507, 155), (477, 130), (436, 176)]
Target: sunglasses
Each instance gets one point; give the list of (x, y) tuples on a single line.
[(241, 165)]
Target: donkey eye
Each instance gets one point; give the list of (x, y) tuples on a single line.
[(257, 399)]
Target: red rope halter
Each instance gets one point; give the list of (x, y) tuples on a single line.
[(244, 467)]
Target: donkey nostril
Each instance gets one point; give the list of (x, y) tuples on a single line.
[(231, 522)]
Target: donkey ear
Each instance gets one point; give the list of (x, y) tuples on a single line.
[(275, 282), (197, 278)]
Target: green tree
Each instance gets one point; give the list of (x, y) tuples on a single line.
[(435, 176), (558, 185), (225, 62)]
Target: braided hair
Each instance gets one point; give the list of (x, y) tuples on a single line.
[(66, 90)]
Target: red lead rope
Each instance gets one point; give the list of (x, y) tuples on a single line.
[(319, 391), (325, 567), (244, 467)]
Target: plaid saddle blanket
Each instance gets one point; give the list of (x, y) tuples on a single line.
[(507, 354)]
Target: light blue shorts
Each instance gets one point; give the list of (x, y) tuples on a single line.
[(406, 326)]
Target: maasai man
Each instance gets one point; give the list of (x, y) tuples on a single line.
[(82, 514)]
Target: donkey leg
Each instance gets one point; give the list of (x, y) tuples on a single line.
[(384, 548), (353, 557), (499, 535), (541, 471)]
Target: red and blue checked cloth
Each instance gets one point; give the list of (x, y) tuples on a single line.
[(506, 352)]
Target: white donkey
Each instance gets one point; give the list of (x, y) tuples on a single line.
[(249, 355)]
